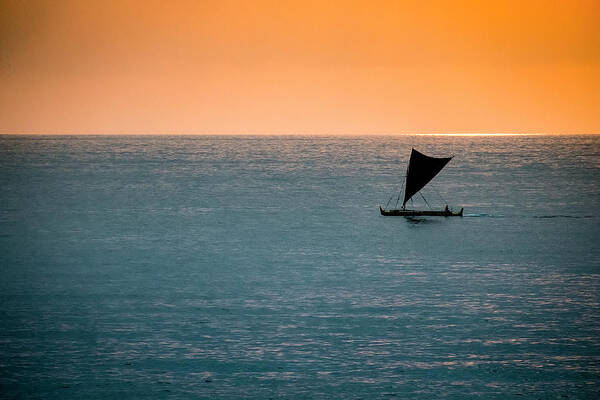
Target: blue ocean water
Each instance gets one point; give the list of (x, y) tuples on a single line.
[(259, 267)]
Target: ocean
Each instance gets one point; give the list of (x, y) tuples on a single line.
[(258, 267)]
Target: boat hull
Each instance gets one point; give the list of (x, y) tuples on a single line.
[(420, 213)]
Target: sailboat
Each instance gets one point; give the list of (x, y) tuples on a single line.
[(421, 169)]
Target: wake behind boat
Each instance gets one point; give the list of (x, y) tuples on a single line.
[(421, 170)]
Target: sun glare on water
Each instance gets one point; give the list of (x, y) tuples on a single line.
[(484, 134)]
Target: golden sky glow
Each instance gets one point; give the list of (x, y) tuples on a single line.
[(312, 67)]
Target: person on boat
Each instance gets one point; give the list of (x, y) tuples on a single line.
[(446, 209)]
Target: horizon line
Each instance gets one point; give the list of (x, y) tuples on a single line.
[(292, 134)]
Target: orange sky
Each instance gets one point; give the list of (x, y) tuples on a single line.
[(311, 67)]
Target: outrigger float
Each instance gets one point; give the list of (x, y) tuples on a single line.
[(421, 213), (421, 170)]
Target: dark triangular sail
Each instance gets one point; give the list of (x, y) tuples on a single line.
[(421, 169)]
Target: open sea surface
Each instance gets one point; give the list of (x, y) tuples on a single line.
[(232, 267)]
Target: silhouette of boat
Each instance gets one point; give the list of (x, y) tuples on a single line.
[(421, 170)]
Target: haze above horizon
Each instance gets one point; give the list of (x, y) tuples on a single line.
[(300, 67)]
